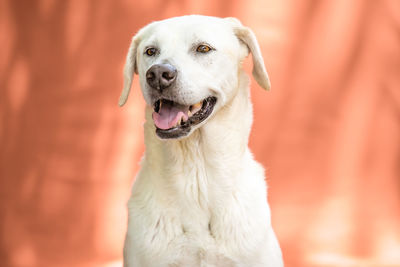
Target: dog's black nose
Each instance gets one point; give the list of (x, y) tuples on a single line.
[(161, 76)]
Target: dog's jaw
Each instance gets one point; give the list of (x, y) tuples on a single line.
[(186, 124)]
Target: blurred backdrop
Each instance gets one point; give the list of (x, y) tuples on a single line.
[(328, 133)]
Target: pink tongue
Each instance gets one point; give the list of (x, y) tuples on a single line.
[(169, 115)]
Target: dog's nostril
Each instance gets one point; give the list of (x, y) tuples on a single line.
[(168, 75), (150, 75)]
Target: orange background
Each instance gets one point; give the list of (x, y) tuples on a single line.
[(328, 133)]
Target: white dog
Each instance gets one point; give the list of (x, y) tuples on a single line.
[(200, 197)]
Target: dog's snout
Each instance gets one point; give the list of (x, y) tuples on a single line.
[(161, 76)]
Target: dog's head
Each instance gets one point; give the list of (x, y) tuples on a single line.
[(188, 69)]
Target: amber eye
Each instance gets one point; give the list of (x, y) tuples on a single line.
[(151, 51), (203, 48)]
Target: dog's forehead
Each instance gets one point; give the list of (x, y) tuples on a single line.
[(188, 29)]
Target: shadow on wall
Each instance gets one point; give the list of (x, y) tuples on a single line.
[(328, 132)]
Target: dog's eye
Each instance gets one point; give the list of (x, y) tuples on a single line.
[(151, 51), (203, 48)]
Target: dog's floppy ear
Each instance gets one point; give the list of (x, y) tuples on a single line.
[(130, 67), (247, 36)]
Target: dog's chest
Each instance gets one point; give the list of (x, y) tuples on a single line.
[(184, 228), (195, 244), (188, 212)]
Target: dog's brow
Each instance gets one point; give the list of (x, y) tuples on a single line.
[(151, 46)]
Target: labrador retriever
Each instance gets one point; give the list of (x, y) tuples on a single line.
[(199, 198)]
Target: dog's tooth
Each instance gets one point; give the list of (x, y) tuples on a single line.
[(196, 107), (189, 113), (160, 104)]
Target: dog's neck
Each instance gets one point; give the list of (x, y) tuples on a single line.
[(218, 147)]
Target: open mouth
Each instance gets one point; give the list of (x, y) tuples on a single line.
[(174, 120)]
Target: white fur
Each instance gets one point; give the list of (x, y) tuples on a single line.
[(200, 200)]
